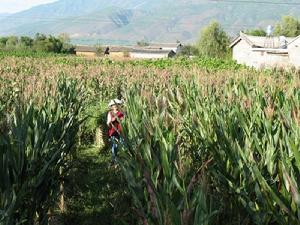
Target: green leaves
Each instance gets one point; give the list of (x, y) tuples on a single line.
[(32, 150), (199, 154)]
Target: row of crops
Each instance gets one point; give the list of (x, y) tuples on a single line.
[(36, 145), (218, 146), (203, 62)]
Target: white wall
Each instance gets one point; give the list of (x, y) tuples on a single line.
[(142, 55), (277, 60), (170, 48), (243, 53), (294, 53)]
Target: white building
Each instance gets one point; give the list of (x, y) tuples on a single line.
[(152, 51), (266, 52), (151, 54), (175, 47), (294, 52)]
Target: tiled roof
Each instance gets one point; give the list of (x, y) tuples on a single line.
[(111, 48), (151, 51), (261, 42), (123, 49)]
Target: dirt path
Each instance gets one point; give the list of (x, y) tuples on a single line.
[(95, 192)]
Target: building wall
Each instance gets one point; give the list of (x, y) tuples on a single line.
[(90, 54), (294, 53), (142, 55), (243, 53), (116, 54), (170, 48), (278, 60), (270, 60), (263, 59)]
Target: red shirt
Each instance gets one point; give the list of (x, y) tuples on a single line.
[(115, 127)]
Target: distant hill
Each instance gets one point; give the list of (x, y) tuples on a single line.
[(127, 21), (3, 15)]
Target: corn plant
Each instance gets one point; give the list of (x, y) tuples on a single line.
[(251, 137), (33, 149), (165, 190)]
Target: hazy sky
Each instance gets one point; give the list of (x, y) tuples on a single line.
[(11, 6)]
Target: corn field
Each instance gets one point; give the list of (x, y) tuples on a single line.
[(202, 145)]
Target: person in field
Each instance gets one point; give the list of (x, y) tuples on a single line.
[(114, 118)]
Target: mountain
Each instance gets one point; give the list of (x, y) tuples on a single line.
[(3, 15), (128, 21)]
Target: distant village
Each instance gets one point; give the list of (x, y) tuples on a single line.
[(151, 51), (253, 51)]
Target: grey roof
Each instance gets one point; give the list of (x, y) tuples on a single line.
[(118, 48), (260, 42), (123, 49), (151, 51), (160, 45), (111, 48), (294, 40)]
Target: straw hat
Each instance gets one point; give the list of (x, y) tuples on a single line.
[(115, 102)]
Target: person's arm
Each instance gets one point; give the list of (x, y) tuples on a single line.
[(109, 119)]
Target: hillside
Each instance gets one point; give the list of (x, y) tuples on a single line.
[(131, 20), (3, 15)]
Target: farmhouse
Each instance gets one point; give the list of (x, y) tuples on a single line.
[(294, 52), (151, 53), (112, 51), (117, 51), (148, 52), (262, 52), (175, 47)]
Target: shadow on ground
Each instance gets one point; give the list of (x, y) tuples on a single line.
[(96, 192)]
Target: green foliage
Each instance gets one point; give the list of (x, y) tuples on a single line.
[(95, 192), (289, 27), (11, 42), (188, 50), (99, 50), (256, 32), (206, 141), (239, 140), (201, 62), (3, 41), (213, 41), (41, 43), (142, 43), (164, 184), (96, 112), (33, 148)]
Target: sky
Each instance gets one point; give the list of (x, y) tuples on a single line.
[(12, 6)]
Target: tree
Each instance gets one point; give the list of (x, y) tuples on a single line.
[(142, 43), (11, 43), (25, 43), (288, 26), (213, 41), (67, 47), (3, 41), (256, 32), (65, 38), (40, 43), (188, 50), (99, 50)]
